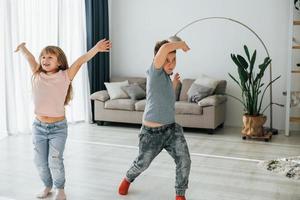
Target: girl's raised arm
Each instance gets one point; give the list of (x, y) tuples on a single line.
[(101, 46), (28, 55)]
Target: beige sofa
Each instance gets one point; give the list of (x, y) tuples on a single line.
[(209, 115)]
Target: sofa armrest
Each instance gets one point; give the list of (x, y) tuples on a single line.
[(213, 100), (100, 95)]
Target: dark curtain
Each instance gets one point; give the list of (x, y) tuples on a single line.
[(97, 28)]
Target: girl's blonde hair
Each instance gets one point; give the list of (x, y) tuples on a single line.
[(63, 65)]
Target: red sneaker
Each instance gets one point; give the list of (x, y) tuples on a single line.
[(124, 186), (180, 198)]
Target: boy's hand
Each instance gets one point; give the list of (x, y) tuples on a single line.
[(20, 46), (103, 45), (176, 80), (185, 47)]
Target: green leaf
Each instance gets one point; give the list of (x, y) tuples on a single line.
[(243, 76), (235, 60), (234, 79), (252, 62), (242, 61), (266, 62), (271, 82), (262, 68), (247, 52)]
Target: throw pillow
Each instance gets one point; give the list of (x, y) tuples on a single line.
[(212, 100), (221, 87), (134, 91), (115, 91), (198, 92), (100, 95), (142, 85), (208, 82)]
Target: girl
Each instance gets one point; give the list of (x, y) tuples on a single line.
[(52, 90)]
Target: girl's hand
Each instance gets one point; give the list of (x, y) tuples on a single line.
[(20, 46), (103, 45)]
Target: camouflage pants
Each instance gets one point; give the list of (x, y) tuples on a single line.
[(152, 141)]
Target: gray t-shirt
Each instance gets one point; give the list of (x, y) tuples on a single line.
[(160, 98)]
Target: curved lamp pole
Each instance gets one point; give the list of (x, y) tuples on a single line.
[(176, 38)]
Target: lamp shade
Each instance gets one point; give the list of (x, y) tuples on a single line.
[(174, 38)]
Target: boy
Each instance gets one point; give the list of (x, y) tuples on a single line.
[(159, 130)]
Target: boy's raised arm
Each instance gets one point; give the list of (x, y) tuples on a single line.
[(165, 49), (101, 46), (28, 55)]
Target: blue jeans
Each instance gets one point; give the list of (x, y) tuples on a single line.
[(152, 141), (49, 141)]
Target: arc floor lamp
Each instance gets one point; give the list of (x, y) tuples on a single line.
[(177, 38)]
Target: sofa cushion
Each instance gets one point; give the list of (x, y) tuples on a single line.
[(140, 105), (134, 91), (198, 92), (184, 107), (115, 90), (212, 100), (186, 84), (139, 80), (221, 87), (207, 81), (100, 95), (120, 104)]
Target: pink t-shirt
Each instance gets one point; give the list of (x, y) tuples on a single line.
[(49, 93)]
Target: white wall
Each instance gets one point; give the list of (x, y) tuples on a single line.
[(136, 25)]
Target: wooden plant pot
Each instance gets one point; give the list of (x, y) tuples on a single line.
[(253, 125)]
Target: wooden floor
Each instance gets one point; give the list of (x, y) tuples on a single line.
[(224, 167)]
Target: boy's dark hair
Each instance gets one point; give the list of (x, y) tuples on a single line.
[(159, 44)]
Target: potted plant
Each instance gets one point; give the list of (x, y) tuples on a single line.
[(253, 91)]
